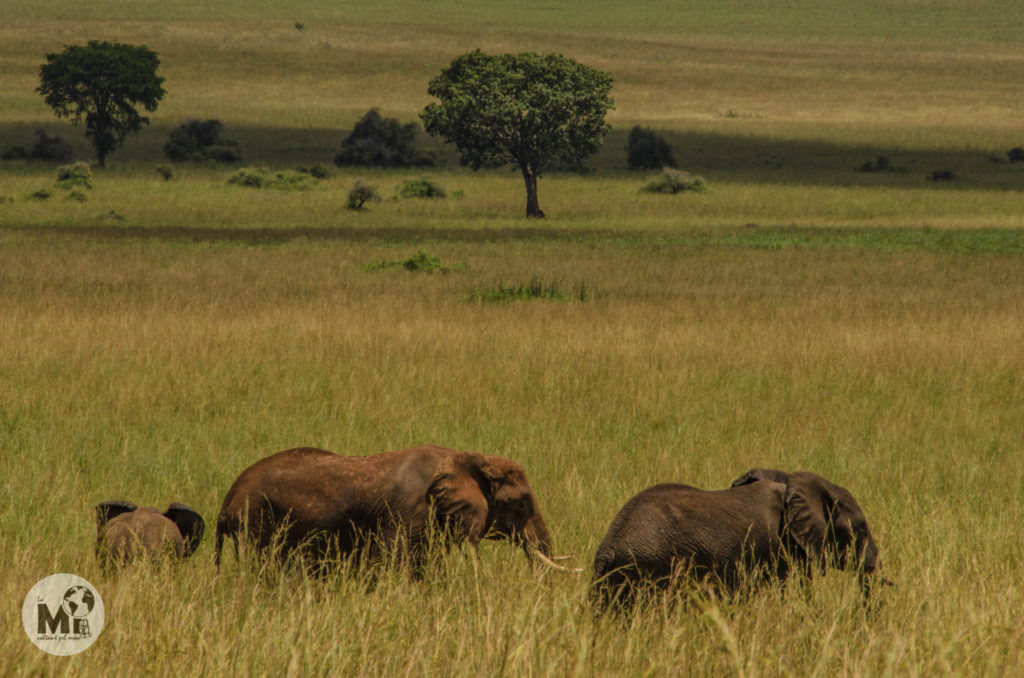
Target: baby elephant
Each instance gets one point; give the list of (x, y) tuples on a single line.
[(125, 532), (766, 523)]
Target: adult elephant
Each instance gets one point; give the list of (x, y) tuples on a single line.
[(330, 505), (125, 532), (766, 523)]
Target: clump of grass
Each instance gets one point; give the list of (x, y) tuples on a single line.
[(672, 181), (421, 188), (421, 262), (281, 180), (535, 289)]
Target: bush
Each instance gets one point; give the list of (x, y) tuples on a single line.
[(420, 188), (46, 147), (201, 140), (942, 175), (74, 176), (1015, 154), (282, 180), (165, 171), (646, 149), (376, 141), (360, 194), (317, 171), (675, 181)]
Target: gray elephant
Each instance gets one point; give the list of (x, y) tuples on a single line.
[(125, 532), (767, 523), (330, 505)]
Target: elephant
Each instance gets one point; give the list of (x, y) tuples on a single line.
[(364, 507), (125, 532), (766, 523)]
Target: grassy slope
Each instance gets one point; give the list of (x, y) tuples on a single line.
[(162, 335)]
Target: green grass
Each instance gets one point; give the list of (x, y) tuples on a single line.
[(161, 335)]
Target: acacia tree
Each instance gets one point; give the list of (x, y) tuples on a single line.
[(102, 83), (534, 111)]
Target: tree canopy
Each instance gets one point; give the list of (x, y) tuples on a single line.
[(102, 83), (534, 111)]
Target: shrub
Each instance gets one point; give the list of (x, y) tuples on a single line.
[(942, 175), (282, 180), (1015, 154), (165, 171), (420, 188), (646, 149), (675, 181), (50, 148), (377, 141), (41, 194), (881, 164), (74, 176), (317, 171), (201, 140), (360, 194)]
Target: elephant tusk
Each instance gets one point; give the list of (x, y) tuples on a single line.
[(555, 566)]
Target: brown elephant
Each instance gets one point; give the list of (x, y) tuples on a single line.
[(125, 532), (766, 523), (332, 505)]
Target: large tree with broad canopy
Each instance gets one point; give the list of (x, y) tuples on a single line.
[(533, 111)]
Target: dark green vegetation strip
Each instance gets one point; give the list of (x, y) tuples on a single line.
[(924, 239)]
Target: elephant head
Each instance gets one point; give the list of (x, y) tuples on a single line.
[(823, 520), (485, 497), (124, 531)]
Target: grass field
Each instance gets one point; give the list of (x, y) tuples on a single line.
[(160, 336)]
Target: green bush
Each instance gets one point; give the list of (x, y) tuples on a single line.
[(77, 175), (360, 194), (165, 171), (420, 188), (49, 148), (646, 149), (673, 181), (282, 180), (317, 171), (377, 141), (201, 140)]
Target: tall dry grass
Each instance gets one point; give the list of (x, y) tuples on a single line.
[(156, 370)]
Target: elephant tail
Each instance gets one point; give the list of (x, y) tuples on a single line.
[(226, 526)]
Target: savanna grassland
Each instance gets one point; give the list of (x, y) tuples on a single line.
[(161, 335)]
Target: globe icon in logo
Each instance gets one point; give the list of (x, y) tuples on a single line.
[(78, 601)]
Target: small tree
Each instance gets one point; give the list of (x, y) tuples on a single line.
[(102, 83), (377, 141), (646, 149), (534, 111)]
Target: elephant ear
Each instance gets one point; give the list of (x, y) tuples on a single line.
[(111, 509), (818, 516), (755, 474), (461, 491), (190, 524)]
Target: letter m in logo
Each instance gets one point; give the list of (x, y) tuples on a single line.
[(49, 623)]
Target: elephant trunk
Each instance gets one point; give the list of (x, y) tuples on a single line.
[(535, 536)]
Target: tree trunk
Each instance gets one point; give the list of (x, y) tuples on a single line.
[(532, 206)]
